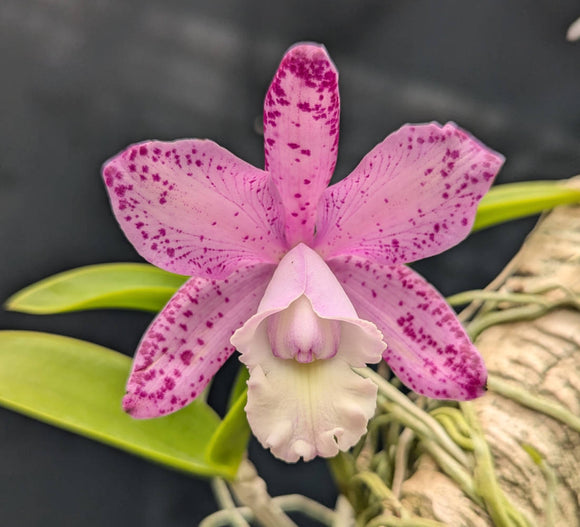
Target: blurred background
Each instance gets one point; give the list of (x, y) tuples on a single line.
[(83, 79)]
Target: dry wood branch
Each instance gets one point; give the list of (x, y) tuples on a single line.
[(536, 456)]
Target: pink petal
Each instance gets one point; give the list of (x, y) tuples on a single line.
[(193, 208), (414, 195), (190, 340), (427, 347), (303, 272), (301, 117)]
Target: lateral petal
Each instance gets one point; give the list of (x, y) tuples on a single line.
[(308, 410), (301, 118), (414, 195), (428, 348), (193, 208), (190, 340)]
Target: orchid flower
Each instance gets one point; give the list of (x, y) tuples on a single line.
[(306, 282)]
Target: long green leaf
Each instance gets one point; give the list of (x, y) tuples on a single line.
[(115, 285), (239, 386), (230, 441), (518, 200), (78, 386)]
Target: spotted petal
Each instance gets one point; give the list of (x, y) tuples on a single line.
[(301, 117), (190, 340), (193, 208), (428, 348), (414, 195)]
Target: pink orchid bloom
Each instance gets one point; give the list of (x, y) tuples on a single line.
[(306, 282)]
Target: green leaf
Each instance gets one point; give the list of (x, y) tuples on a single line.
[(239, 386), (517, 200), (78, 386), (115, 285), (230, 441)]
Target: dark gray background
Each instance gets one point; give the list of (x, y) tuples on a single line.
[(83, 79)]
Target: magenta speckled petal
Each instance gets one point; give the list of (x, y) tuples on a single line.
[(193, 208), (190, 340), (427, 347), (414, 195), (301, 118)]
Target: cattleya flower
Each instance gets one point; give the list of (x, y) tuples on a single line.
[(307, 282)]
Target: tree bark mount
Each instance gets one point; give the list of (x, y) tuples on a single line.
[(529, 417)]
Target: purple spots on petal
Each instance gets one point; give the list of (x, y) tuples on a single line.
[(186, 357), (277, 89)]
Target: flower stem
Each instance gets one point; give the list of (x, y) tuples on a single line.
[(250, 489), (287, 503), (225, 501)]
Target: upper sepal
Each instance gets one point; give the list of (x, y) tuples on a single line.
[(301, 120)]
